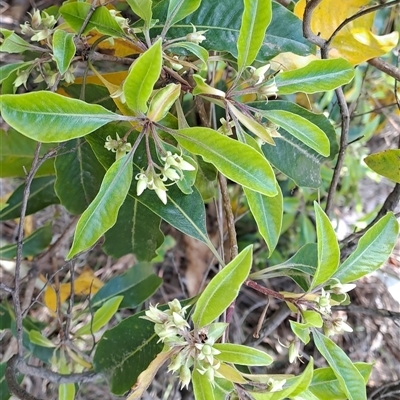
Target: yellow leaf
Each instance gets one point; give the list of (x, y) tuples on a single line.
[(355, 41), (119, 48), (116, 78), (87, 283), (288, 61), (50, 295), (385, 163)]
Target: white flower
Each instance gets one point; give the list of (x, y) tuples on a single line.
[(259, 74), (268, 90), (339, 288), (177, 161), (196, 37), (171, 174)]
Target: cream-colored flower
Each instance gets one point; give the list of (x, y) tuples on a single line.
[(196, 37)]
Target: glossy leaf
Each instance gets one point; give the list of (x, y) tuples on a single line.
[(136, 231), (34, 244), (179, 9), (41, 195), (256, 17), (125, 351), (301, 128), (101, 20), (79, 176), (350, 379), (385, 163), (222, 21), (142, 8), (48, 117), (223, 289), (243, 355), (235, 160), (12, 43), (63, 49), (268, 213), (328, 248), (317, 76), (162, 101), (202, 387), (101, 317), (372, 250), (17, 153), (102, 213), (200, 52), (143, 74), (136, 285), (293, 386), (325, 385)]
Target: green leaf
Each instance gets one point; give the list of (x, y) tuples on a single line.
[(125, 351), (136, 285), (49, 117), (312, 318), (75, 14), (350, 379), (237, 161), (291, 156), (325, 385), (66, 391), (184, 212), (34, 244), (63, 49), (142, 77), (293, 386), (223, 289), (222, 21), (328, 248), (142, 8), (243, 355), (268, 213), (12, 43), (41, 195), (79, 175), (136, 231), (179, 9), (202, 387), (17, 153), (37, 338), (200, 52), (385, 163), (302, 331), (256, 17), (101, 317), (102, 213), (372, 250), (7, 69), (299, 267), (317, 76), (301, 128)]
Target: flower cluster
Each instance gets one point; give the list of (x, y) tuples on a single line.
[(266, 87), (118, 146), (40, 27), (173, 168), (192, 350)]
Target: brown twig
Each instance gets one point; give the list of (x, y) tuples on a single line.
[(96, 56), (264, 290), (385, 67)]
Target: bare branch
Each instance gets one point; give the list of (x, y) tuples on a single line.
[(385, 67), (374, 312), (307, 32), (345, 125), (6, 288)]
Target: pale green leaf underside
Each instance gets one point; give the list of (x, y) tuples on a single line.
[(350, 379), (317, 76), (237, 161), (328, 248), (301, 128), (256, 17), (102, 213), (243, 355), (372, 250), (223, 289), (50, 118)]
